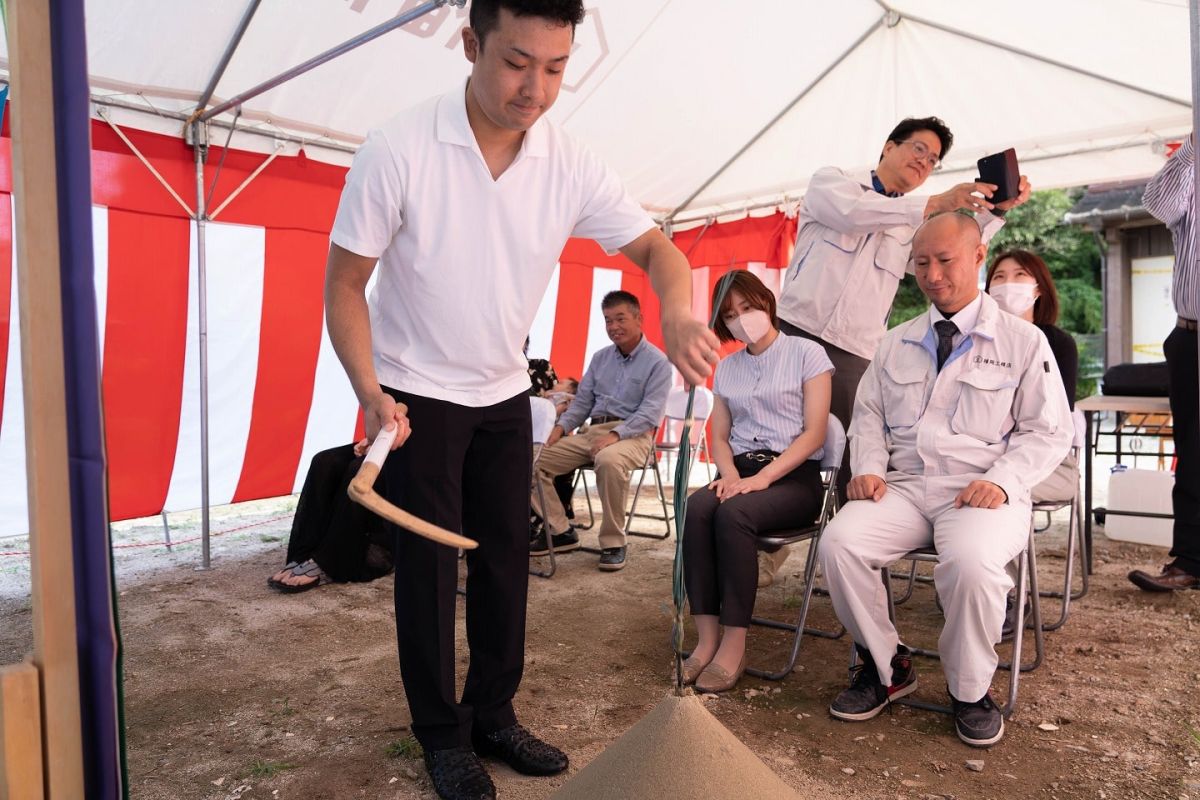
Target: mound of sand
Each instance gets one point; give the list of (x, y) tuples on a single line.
[(679, 749)]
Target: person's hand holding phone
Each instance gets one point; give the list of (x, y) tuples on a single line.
[(973, 197)]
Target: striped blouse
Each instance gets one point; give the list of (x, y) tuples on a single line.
[(1169, 198), (765, 393)]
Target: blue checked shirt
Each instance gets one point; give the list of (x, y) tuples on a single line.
[(632, 388)]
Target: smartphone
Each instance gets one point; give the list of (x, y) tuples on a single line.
[(1000, 169)]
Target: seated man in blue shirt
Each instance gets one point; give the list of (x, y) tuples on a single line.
[(624, 393)]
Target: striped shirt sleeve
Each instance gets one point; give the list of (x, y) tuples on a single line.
[(1170, 197)]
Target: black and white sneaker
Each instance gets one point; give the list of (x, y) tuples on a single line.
[(979, 724), (867, 696), (562, 543)]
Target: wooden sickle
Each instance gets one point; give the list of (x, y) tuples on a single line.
[(362, 491)]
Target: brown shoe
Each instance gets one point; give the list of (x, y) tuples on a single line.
[(715, 679), (1170, 579), (692, 667)]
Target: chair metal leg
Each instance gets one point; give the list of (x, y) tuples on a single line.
[(798, 628), (1028, 576), (662, 498), (1027, 587), (908, 591), (581, 477)]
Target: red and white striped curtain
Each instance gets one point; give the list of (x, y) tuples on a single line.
[(277, 393)]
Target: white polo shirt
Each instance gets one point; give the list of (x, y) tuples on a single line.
[(464, 259)]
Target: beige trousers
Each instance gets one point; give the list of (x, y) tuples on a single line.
[(613, 465)]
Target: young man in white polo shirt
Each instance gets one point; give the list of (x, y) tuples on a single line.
[(466, 202)]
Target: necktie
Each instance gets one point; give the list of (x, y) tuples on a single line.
[(945, 333)]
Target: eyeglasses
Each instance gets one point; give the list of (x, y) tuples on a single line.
[(923, 153)]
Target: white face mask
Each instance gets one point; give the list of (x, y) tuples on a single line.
[(1015, 298), (750, 327)]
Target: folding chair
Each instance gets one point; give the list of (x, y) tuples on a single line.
[(1026, 587), (1075, 543), (543, 415), (651, 465), (673, 426), (1075, 538), (835, 445), (581, 477)]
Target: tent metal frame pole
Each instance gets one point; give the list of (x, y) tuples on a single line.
[(227, 56), (200, 146), (1087, 73), (763, 131), (198, 129), (274, 135), (374, 33)]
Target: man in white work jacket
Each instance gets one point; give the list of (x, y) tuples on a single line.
[(960, 413), (852, 247)]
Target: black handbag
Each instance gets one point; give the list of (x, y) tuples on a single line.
[(1136, 380)]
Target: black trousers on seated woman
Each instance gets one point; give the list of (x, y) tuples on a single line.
[(720, 548), (345, 539)]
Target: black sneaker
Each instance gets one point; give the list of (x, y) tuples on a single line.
[(1010, 617), (458, 774), (521, 750), (979, 724), (563, 543), (866, 696), (612, 559)]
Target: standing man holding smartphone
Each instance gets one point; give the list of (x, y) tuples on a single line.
[(852, 249), (466, 202)]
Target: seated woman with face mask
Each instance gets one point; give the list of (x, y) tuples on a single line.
[(768, 421), (1020, 283)]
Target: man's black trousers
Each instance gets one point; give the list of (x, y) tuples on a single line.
[(465, 469), (1180, 350)]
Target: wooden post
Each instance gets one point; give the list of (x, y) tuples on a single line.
[(35, 193), (20, 733)]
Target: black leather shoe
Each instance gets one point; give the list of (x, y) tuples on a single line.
[(1171, 579), (458, 774), (521, 750)]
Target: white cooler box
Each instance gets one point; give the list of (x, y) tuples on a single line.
[(1140, 490)]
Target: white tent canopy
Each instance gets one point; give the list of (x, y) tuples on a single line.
[(701, 105)]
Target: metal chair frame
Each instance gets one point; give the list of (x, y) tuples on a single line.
[(835, 443), (1075, 544), (1026, 587)]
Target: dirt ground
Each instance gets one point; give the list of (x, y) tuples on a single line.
[(234, 691)]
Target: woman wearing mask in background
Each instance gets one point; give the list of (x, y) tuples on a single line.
[(1020, 283), (768, 427)]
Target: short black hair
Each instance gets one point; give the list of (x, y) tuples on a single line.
[(485, 14), (910, 125), (619, 296)]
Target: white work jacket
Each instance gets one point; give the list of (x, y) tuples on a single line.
[(995, 412), (852, 249)]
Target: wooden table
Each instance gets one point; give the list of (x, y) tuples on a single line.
[(1123, 407)]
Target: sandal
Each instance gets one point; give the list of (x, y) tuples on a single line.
[(309, 569), (274, 582)]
